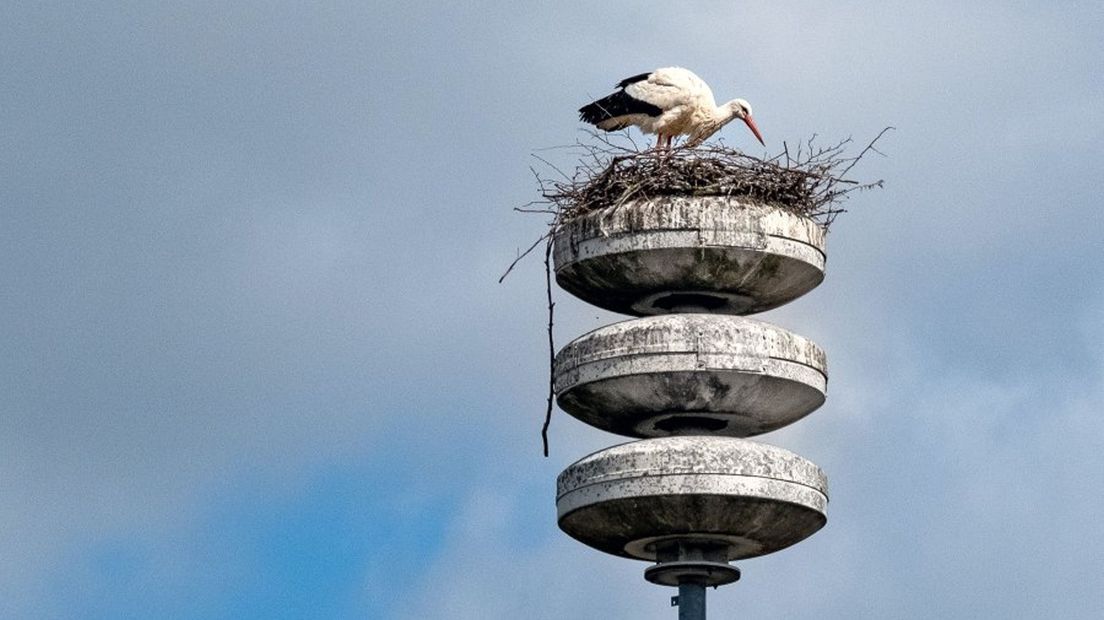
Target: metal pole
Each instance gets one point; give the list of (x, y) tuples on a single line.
[(691, 600)]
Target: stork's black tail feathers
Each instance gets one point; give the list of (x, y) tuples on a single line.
[(617, 104)]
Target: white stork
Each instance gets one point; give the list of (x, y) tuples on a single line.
[(668, 102)]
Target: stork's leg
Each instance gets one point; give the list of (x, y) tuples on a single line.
[(668, 143), (659, 141)]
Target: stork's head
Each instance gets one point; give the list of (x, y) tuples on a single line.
[(741, 109)]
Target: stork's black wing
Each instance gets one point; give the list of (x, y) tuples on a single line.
[(617, 104), (633, 80)]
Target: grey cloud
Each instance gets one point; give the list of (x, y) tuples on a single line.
[(266, 237)]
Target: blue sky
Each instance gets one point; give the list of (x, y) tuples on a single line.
[(257, 364)]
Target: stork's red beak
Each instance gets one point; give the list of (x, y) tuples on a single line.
[(755, 130)]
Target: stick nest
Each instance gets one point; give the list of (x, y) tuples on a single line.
[(810, 181)]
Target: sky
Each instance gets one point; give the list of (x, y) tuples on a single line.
[(256, 362)]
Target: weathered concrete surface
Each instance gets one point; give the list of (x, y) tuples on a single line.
[(690, 374), (750, 498), (707, 253)]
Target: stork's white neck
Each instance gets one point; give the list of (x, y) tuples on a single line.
[(719, 116), (733, 109)]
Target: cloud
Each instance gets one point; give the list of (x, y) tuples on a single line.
[(244, 245)]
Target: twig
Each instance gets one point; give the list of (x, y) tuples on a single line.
[(547, 235), (551, 344), (868, 148), (550, 165)]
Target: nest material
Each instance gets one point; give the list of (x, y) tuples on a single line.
[(809, 182)]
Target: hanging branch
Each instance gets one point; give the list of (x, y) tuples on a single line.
[(551, 345)]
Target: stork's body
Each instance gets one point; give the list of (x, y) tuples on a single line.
[(667, 102)]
